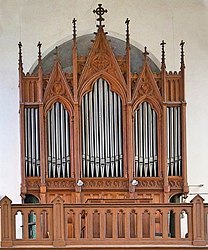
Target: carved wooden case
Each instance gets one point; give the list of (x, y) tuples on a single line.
[(160, 93)]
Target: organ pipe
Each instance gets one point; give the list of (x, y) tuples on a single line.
[(32, 142), (58, 142), (102, 132), (174, 141), (145, 138)]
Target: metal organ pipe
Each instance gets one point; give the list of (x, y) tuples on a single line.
[(32, 142), (145, 134), (102, 121), (92, 145), (174, 141), (58, 142), (112, 158), (37, 156), (107, 139)]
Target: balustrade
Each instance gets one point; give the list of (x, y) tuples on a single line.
[(62, 224)]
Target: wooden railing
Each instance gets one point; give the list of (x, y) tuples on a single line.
[(107, 224)]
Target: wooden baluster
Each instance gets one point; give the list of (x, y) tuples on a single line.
[(77, 224), (127, 224), (89, 229), (115, 225), (102, 224), (38, 226), (152, 225), (165, 224), (139, 224), (177, 224)]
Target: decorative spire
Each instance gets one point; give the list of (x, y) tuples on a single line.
[(100, 12), (56, 55), (182, 55), (74, 29), (145, 53), (127, 32), (163, 66), (39, 52), (20, 56)]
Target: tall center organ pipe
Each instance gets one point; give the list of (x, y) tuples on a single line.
[(145, 140), (102, 150), (58, 131)]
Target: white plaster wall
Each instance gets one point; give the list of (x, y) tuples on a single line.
[(151, 21)]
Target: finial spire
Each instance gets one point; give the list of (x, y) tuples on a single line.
[(163, 66), (74, 29), (100, 12), (127, 32), (145, 53), (20, 56), (39, 52), (182, 54), (56, 54)]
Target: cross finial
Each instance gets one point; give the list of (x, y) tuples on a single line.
[(20, 55), (127, 32), (182, 54), (163, 66), (39, 51), (100, 12), (74, 29), (20, 51), (145, 53)]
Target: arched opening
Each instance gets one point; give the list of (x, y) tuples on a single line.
[(102, 141), (58, 141), (32, 225), (171, 224), (19, 225), (184, 224), (145, 141), (29, 198)]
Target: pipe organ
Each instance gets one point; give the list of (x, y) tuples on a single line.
[(95, 130), (58, 141), (102, 150), (145, 139)]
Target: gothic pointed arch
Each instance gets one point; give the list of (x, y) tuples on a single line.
[(146, 87), (113, 83), (101, 61), (57, 85)]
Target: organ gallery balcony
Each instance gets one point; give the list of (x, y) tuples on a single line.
[(109, 222)]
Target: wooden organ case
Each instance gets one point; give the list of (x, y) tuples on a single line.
[(102, 133)]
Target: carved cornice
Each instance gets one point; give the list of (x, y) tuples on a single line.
[(150, 183), (60, 183), (33, 183), (176, 183), (113, 184)]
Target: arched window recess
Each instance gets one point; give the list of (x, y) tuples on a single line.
[(119, 87), (102, 132), (58, 140)]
